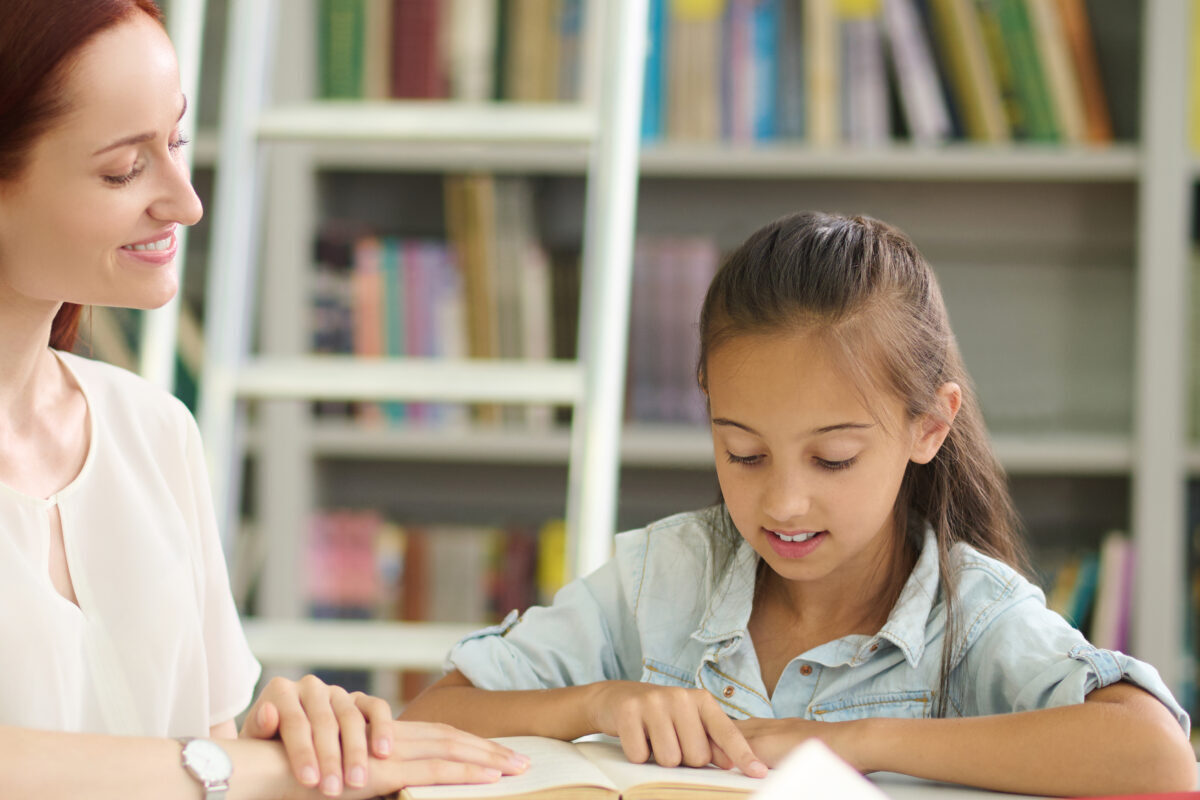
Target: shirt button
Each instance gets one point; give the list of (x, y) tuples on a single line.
[(874, 647), (806, 670), (728, 692)]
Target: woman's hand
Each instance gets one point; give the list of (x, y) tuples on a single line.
[(324, 730), (426, 753), (676, 725)]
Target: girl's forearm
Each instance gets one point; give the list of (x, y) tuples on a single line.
[(1094, 748), (555, 713), (53, 764)]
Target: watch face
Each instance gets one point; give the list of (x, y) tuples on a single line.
[(208, 760)]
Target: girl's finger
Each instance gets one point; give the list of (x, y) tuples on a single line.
[(727, 737), (352, 728), (693, 738), (379, 722), (664, 741), (632, 734), (718, 756)]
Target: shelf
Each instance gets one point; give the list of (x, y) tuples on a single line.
[(679, 447), (430, 121), (352, 643), (952, 162), (351, 378)]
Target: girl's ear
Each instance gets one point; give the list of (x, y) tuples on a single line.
[(933, 428)]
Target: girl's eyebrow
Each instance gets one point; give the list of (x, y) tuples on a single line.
[(841, 426), (137, 138)]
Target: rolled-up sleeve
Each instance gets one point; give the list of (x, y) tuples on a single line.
[(1028, 657), (588, 634)]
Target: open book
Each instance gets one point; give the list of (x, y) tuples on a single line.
[(593, 771)]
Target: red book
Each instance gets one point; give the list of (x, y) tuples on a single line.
[(416, 58)]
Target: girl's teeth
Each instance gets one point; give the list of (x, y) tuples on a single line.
[(800, 537), (161, 244)]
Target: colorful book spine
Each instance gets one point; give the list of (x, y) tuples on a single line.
[(341, 33)]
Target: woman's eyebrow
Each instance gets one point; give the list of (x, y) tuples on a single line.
[(841, 426), (137, 138)]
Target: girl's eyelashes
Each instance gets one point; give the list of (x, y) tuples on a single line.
[(748, 460), (178, 142), (122, 180), (834, 466)]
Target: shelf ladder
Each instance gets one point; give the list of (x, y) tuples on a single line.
[(607, 124)]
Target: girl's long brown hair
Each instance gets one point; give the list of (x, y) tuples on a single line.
[(861, 286), (39, 42)]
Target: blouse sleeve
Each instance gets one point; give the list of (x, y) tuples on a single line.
[(232, 669), (588, 634), (1028, 657)]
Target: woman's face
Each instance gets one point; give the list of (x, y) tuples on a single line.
[(93, 216)]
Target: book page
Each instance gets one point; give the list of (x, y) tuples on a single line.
[(554, 764), (609, 758)]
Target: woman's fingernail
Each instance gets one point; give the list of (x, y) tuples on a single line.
[(358, 777), (759, 768), (331, 786), (309, 776), (384, 747), (491, 774), (519, 762)]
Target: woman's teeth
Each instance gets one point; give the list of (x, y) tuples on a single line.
[(161, 244), (799, 537)]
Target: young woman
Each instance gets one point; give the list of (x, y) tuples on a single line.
[(116, 614), (860, 582)]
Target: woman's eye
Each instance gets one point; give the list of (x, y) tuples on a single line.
[(742, 459), (834, 466), (121, 180), (178, 142)]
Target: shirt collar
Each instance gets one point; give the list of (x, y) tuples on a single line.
[(729, 608)]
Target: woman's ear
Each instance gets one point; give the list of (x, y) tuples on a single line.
[(933, 428)]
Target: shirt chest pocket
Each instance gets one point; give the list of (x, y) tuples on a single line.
[(916, 704), (662, 674)]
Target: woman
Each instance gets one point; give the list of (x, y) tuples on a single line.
[(116, 610)]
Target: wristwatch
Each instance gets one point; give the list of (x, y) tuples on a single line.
[(208, 763)]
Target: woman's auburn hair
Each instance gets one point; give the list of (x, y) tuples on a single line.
[(39, 43)]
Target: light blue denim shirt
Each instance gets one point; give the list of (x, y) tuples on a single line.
[(654, 614)]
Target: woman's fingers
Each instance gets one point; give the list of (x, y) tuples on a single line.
[(393, 774), (434, 741), (379, 722), (352, 730)]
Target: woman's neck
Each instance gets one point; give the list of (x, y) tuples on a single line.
[(29, 374)]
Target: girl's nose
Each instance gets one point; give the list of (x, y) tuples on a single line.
[(786, 497)]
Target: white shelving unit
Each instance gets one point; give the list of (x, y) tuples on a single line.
[(1123, 209), (258, 110)]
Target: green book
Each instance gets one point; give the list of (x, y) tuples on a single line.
[(1029, 75), (341, 35)]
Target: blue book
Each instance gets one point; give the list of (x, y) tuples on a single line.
[(655, 88), (765, 52), (394, 311), (1084, 595)]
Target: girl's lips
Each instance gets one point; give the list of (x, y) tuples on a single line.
[(795, 549)]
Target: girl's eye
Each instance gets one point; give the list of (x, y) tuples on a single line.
[(834, 466), (121, 180), (748, 460), (179, 142)]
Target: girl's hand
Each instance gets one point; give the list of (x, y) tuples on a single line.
[(678, 726), (324, 730), (773, 739)]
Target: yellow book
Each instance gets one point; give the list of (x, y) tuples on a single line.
[(822, 56), (959, 36)]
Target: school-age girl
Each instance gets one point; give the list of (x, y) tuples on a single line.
[(860, 582)]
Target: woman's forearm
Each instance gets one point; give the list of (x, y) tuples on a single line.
[(1095, 748), (555, 713), (53, 764)]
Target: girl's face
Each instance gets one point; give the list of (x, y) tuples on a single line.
[(809, 475), (93, 216)]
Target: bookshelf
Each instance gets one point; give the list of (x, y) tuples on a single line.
[(1072, 260)]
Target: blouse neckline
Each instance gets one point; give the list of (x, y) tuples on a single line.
[(55, 498)]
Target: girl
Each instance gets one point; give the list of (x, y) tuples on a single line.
[(116, 615), (859, 582)]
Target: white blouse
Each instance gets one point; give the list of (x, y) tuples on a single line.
[(154, 647)]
